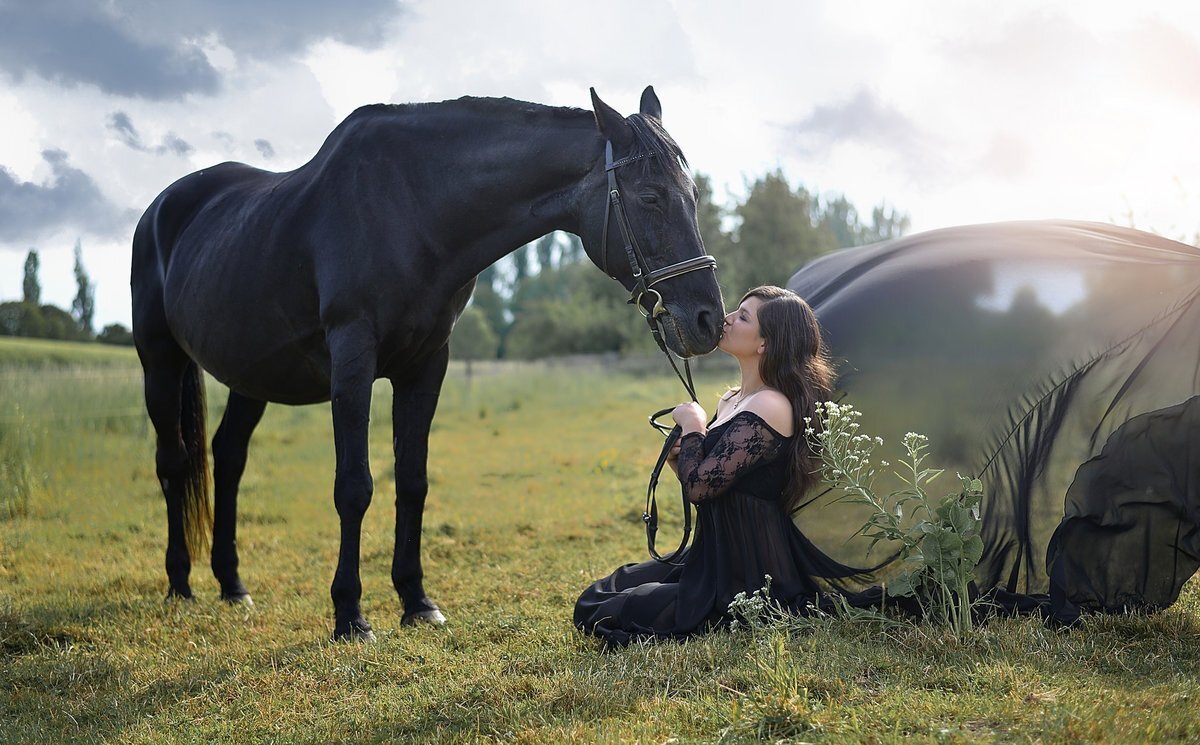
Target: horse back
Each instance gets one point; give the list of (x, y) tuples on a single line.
[(218, 268)]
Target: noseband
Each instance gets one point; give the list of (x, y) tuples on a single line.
[(644, 280)]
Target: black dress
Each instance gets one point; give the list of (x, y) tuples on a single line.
[(736, 476)]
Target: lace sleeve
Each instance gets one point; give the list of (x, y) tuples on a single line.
[(747, 442)]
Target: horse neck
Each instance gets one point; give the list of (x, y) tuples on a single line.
[(502, 179)]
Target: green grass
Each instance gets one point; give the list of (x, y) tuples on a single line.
[(537, 479), (44, 353)]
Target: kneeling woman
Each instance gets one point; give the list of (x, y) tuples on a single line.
[(746, 470)]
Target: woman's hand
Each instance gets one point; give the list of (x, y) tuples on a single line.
[(690, 417), (673, 458)]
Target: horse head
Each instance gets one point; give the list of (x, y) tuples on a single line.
[(639, 226)]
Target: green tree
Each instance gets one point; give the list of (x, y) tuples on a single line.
[(544, 247), (32, 286), (840, 217), (780, 231), (473, 338), (572, 250), (38, 322), (709, 216), (115, 333), (84, 305), (574, 310), (886, 224), (488, 301)]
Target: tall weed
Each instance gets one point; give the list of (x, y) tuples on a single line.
[(17, 481), (939, 539)]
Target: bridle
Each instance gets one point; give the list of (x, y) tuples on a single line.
[(644, 280)]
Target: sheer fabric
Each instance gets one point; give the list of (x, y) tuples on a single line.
[(1057, 361), (736, 475)]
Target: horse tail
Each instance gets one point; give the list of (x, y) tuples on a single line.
[(197, 508)]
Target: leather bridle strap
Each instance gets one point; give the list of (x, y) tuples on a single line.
[(650, 514), (644, 279)]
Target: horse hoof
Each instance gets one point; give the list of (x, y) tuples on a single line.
[(358, 631), (243, 600), (433, 617), (174, 596)]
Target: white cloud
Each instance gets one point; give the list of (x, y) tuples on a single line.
[(955, 112)]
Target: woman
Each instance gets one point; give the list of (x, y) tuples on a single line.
[(746, 471)]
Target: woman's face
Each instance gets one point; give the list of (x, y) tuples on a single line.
[(740, 336)]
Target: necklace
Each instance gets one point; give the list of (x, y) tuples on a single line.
[(742, 396)]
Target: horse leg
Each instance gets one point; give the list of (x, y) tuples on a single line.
[(413, 405), (229, 448), (174, 390), (352, 352)]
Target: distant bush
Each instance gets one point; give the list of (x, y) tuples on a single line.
[(115, 333), (19, 318)]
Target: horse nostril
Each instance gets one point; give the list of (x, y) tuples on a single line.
[(709, 323)]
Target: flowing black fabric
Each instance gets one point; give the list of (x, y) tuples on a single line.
[(736, 475), (1057, 361)]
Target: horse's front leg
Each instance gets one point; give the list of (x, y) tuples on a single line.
[(353, 354), (413, 404)]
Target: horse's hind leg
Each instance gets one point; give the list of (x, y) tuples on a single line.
[(174, 390), (229, 448), (413, 406)]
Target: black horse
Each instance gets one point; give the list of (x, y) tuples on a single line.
[(307, 286)]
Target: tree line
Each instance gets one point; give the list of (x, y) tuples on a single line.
[(547, 299), (30, 317)]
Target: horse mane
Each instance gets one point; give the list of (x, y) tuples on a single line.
[(649, 137), (479, 105)]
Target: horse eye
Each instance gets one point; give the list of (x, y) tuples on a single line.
[(649, 198)]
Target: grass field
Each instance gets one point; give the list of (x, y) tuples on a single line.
[(537, 478)]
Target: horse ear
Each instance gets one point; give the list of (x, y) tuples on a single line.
[(650, 105), (610, 122)]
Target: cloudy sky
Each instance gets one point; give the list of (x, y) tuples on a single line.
[(955, 112)]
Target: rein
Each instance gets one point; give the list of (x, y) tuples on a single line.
[(644, 280), (650, 513)]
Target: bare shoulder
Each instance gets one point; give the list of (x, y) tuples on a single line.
[(774, 408)]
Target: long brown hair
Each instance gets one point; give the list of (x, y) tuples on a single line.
[(795, 363)]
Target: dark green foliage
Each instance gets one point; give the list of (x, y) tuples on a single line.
[(32, 287), (39, 322), (115, 333), (779, 229), (473, 337), (83, 307), (573, 310)]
